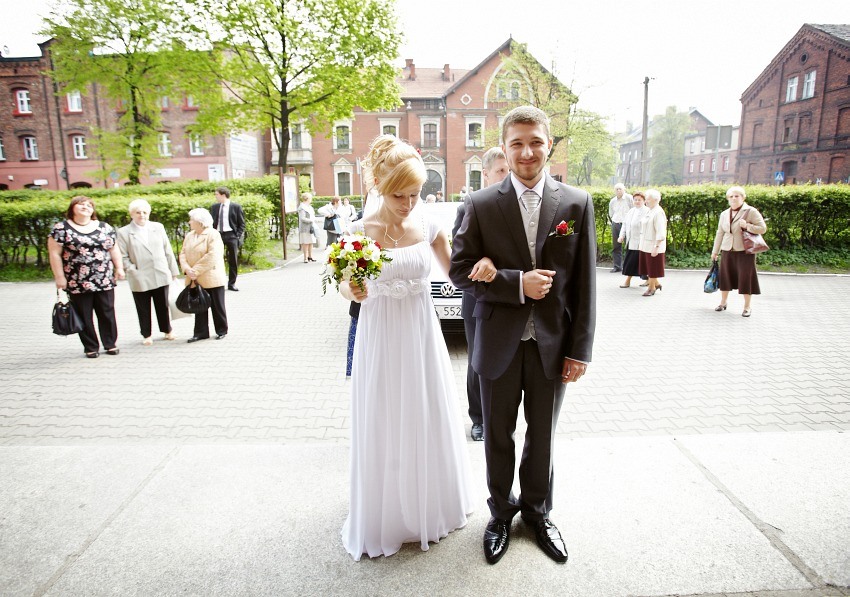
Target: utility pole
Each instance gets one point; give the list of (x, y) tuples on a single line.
[(644, 131)]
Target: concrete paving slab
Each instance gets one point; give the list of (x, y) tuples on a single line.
[(638, 516), (801, 488), (54, 500)]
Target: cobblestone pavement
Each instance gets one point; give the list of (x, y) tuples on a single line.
[(665, 365)]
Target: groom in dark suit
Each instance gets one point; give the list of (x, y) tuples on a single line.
[(536, 318)]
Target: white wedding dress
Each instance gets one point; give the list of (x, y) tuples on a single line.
[(410, 473)]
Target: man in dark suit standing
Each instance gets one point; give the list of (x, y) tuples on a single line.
[(229, 220), (494, 166), (536, 318)]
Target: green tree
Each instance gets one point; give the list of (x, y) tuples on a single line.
[(309, 61), (666, 143), (579, 136), (125, 51)]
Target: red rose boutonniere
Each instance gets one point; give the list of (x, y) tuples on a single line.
[(563, 229)]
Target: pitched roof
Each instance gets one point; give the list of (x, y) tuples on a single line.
[(841, 32), (429, 82)]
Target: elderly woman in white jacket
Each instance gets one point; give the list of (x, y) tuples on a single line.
[(630, 237), (150, 267)]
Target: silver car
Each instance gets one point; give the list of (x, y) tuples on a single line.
[(446, 297)]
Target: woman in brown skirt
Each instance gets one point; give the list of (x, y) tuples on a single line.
[(737, 268), (653, 242)]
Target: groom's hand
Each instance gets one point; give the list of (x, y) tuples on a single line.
[(572, 370), (537, 282)]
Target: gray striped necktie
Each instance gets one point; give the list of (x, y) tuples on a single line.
[(531, 201)]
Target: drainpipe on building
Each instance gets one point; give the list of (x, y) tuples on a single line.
[(58, 123)]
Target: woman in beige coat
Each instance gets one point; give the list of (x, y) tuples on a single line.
[(653, 242), (737, 268), (202, 260), (150, 266)]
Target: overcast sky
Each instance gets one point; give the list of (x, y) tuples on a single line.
[(700, 54)]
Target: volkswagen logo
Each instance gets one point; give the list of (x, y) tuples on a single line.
[(447, 290)]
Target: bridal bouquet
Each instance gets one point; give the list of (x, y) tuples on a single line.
[(355, 257)]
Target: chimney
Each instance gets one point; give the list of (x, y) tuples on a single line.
[(446, 73), (411, 69)]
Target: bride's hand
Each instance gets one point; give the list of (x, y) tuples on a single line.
[(352, 292), (483, 271)]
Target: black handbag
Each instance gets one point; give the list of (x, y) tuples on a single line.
[(711, 283), (330, 223), (66, 320), (193, 299)]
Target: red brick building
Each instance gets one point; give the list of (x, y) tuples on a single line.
[(44, 135), (795, 117), (709, 165), (451, 115)]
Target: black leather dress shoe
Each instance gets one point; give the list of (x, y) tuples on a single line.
[(233, 288), (220, 336), (477, 432), (497, 536), (196, 338), (549, 539)]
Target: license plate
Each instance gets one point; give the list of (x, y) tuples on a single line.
[(448, 311)]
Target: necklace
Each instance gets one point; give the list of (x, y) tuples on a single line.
[(395, 240)]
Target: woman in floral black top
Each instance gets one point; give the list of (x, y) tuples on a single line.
[(85, 260)]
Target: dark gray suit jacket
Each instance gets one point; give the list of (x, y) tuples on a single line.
[(564, 320)]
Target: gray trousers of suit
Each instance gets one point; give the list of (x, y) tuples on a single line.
[(524, 382)]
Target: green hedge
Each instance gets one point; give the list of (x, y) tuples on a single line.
[(800, 219), (804, 223), (25, 223)]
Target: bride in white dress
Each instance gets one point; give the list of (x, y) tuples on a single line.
[(409, 465)]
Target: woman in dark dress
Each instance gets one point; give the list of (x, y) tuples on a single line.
[(737, 268), (85, 260), (630, 238)]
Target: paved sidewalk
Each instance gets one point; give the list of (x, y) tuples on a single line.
[(703, 454), (666, 364)]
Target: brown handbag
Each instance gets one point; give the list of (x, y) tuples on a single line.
[(753, 243)]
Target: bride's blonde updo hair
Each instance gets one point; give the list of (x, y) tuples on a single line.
[(395, 165)]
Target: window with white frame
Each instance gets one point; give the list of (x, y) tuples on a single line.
[(163, 102), (430, 132), (30, 146), (164, 145), (389, 126), (295, 136), (726, 163), (342, 136), (809, 84), (75, 101), (515, 90), (713, 164), (501, 90), (693, 145), (343, 183), (2, 151), (702, 165), (22, 101), (691, 167), (791, 90), (196, 144), (475, 131), (191, 103), (474, 180), (78, 142)]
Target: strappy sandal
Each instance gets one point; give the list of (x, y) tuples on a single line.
[(112, 351)]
